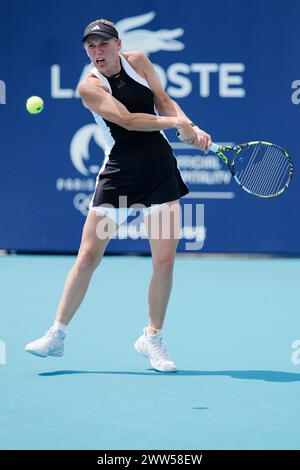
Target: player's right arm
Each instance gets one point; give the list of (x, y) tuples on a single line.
[(96, 98)]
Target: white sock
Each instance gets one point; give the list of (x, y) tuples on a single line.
[(60, 326)]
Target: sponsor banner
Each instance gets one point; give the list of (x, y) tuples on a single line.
[(235, 76)]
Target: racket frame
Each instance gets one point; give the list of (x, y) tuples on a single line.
[(219, 149)]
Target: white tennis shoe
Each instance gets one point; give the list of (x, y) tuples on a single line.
[(51, 344), (154, 348)]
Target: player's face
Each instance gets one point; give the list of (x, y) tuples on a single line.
[(104, 53)]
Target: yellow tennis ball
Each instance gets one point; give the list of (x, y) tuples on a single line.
[(34, 104)]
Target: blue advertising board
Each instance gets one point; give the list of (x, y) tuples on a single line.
[(231, 65)]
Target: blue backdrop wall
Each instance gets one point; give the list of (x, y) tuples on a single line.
[(232, 65)]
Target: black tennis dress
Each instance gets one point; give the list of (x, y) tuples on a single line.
[(139, 167)]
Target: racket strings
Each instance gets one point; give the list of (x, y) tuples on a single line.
[(264, 175), (264, 170)]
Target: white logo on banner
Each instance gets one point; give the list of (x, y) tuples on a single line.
[(296, 94), (146, 40), (2, 92), (79, 148), (178, 78), (80, 157)]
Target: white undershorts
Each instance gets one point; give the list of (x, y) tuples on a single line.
[(120, 215)]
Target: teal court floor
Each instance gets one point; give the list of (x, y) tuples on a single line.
[(230, 326)]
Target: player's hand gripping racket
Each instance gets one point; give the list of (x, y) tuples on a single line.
[(260, 168)]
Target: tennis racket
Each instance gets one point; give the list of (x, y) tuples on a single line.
[(260, 168)]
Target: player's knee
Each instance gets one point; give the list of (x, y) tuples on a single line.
[(164, 264), (87, 259)]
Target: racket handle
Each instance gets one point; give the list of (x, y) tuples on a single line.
[(214, 148)]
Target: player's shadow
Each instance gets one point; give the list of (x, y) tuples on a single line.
[(265, 375)]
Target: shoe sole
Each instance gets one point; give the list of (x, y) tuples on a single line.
[(35, 353), (163, 371)]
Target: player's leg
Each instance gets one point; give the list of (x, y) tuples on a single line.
[(96, 235), (97, 232), (163, 228)]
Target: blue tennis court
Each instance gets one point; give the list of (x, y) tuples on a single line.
[(230, 326), (188, 125)]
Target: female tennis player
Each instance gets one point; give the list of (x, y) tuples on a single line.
[(123, 93)]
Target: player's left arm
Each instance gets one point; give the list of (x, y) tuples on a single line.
[(165, 105)]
